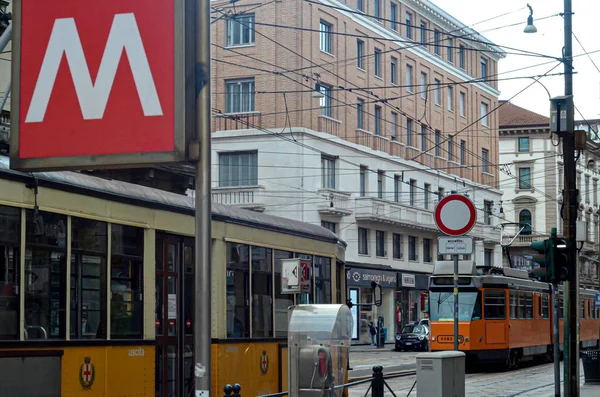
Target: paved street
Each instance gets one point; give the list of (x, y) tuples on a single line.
[(527, 382)]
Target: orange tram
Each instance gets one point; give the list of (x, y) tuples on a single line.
[(504, 316)]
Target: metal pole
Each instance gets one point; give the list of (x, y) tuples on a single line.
[(6, 94), (571, 287), (203, 274), (6, 36), (556, 343), (455, 302)]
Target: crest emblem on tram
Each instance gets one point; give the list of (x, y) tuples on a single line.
[(264, 362), (87, 373)]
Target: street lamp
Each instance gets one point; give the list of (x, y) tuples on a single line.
[(530, 28)]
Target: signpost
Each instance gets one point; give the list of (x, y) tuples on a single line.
[(97, 85), (455, 215)]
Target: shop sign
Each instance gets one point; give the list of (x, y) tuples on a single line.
[(364, 278), (408, 280)]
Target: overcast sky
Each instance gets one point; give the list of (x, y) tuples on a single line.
[(548, 40)]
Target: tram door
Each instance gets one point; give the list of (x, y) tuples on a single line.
[(173, 316)]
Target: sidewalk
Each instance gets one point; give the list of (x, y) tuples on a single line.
[(363, 358)]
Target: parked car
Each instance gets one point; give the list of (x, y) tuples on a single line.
[(424, 321), (413, 336)]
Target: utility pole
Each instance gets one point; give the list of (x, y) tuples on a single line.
[(570, 198)]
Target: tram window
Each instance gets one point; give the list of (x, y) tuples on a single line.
[(282, 301), (582, 307), (494, 304), (88, 279), (322, 279), (45, 283), (126, 272), (521, 310), (10, 234), (238, 290), (304, 299), (262, 292), (513, 304), (529, 305), (544, 306)]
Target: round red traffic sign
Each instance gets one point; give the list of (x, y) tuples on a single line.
[(455, 215)]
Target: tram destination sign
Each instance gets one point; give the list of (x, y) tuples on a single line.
[(455, 245), (96, 85)]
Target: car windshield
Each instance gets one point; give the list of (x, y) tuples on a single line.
[(413, 329), (441, 306)]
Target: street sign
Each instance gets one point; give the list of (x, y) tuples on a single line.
[(455, 245), (597, 300), (455, 215), (97, 85)]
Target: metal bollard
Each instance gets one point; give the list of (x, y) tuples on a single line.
[(236, 390), (232, 391), (377, 384), (228, 389)]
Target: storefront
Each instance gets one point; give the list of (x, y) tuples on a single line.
[(407, 303), (360, 290)]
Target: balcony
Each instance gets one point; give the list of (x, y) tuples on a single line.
[(372, 210), (525, 240), (329, 125), (237, 121), (337, 203), (486, 233), (247, 197)]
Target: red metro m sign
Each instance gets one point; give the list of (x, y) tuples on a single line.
[(100, 84)]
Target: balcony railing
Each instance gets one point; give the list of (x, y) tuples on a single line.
[(329, 125), (370, 209), (248, 197), (525, 239), (238, 121), (485, 232), (334, 203)]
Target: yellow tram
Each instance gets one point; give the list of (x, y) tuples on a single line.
[(90, 271)]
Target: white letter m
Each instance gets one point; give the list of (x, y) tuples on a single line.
[(93, 97)]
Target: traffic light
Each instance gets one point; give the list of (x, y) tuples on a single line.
[(553, 258), (560, 248), (543, 258)]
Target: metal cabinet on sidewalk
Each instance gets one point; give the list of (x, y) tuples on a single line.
[(441, 374)]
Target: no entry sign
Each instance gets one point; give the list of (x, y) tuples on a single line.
[(455, 215)]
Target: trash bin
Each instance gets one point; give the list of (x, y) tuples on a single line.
[(591, 365)]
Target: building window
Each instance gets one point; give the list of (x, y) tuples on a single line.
[(436, 42), (238, 169), (450, 98), (380, 243), (461, 104), (412, 248), (487, 212), (423, 137), (377, 62), (360, 113), (240, 30), (426, 189), (423, 34), (394, 70), (485, 160), (409, 78), (394, 126), (394, 16), (525, 221), (377, 6), (360, 52), (523, 144), (325, 101), (328, 172), (409, 129), (127, 280), (397, 245), (525, 178), (363, 241), (412, 192), (409, 25), (449, 49), (484, 114), (463, 145), (436, 92), (484, 71), (329, 225), (326, 37), (88, 278), (437, 142), (487, 257), (377, 120), (426, 250), (239, 96), (359, 5), (423, 85), (397, 189), (10, 269), (380, 176), (450, 148), (363, 181), (461, 57)]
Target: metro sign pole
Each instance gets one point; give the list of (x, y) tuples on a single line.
[(455, 215)]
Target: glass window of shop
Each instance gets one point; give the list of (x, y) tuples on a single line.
[(10, 235), (45, 283), (88, 279), (126, 281)]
